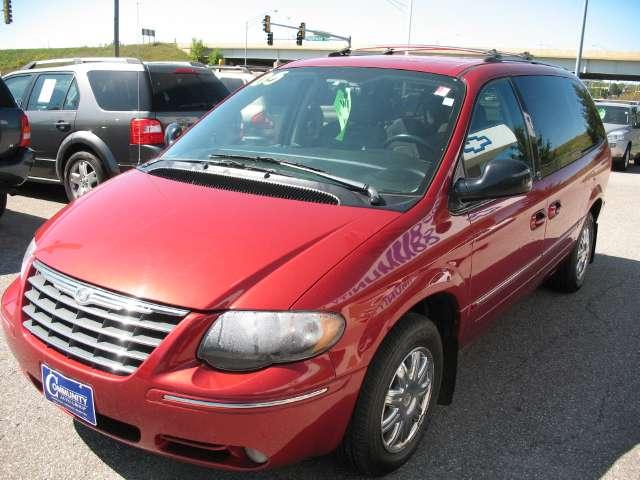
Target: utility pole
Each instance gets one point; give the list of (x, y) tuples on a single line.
[(584, 22), (410, 21), (116, 27)]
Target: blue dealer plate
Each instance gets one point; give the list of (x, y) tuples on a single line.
[(73, 396)]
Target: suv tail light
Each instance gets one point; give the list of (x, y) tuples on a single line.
[(25, 131), (146, 131)]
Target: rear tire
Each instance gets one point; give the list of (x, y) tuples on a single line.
[(82, 173), (393, 408), (572, 271), (3, 203)]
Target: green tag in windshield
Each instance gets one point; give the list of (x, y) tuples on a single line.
[(342, 105)]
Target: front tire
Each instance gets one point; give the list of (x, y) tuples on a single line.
[(572, 271), (82, 173), (396, 399)]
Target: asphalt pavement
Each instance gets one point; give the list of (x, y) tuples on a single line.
[(552, 391)]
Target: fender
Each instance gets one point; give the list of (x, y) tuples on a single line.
[(92, 141)]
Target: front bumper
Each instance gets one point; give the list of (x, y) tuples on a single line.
[(178, 408)]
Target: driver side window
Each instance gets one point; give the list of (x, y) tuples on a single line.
[(497, 130)]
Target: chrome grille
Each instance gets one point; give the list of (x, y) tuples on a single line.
[(102, 329)]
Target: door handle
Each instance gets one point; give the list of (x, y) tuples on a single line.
[(554, 209), (63, 126), (537, 219)]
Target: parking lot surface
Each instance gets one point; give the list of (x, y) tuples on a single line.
[(551, 391)]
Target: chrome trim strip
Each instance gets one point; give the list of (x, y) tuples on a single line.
[(273, 403), (505, 282), (103, 298)]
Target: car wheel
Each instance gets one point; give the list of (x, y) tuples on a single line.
[(396, 399), (624, 161), (82, 173), (3, 203), (570, 275)]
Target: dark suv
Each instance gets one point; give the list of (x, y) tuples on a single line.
[(16, 158), (93, 118)]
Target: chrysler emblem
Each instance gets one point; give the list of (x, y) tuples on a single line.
[(82, 295)]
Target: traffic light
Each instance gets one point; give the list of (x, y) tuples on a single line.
[(8, 14), (266, 24), (302, 31), (270, 38)]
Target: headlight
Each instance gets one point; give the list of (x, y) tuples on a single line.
[(242, 341), (28, 256)]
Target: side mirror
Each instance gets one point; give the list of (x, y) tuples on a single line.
[(172, 133), (501, 178)]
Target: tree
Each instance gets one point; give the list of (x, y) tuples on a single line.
[(215, 56), (197, 52), (615, 90)]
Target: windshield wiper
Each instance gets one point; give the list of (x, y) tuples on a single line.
[(374, 196)]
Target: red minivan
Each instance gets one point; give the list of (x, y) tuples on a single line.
[(297, 273)]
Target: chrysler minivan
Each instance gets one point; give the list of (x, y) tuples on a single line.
[(297, 273)]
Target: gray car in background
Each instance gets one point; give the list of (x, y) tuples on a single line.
[(93, 118), (622, 124)]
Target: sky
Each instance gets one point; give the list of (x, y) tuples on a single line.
[(517, 24)]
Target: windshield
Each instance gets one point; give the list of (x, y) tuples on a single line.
[(613, 114), (382, 127)]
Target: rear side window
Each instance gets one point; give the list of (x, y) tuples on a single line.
[(497, 130), (120, 90), (566, 121), (50, 91), (6, 99), (183, 92), (18, 87)]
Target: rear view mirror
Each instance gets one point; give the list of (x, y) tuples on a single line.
[(503, 177), (172, 133)]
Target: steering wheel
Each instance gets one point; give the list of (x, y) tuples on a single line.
[(407, 137)]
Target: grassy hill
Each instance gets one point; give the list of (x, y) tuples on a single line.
[(14, 59)]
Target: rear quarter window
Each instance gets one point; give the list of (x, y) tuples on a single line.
[(174, 91), (566, 121), (120, 90)]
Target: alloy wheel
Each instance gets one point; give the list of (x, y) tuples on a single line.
[(407, 400), (82, 178), (584, 250)]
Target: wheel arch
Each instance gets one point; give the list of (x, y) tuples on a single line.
[(443, 310), (85, 141)]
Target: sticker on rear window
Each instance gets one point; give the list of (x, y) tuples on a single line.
[(342, 106), (47, 90), (447, 101), (442, 91)]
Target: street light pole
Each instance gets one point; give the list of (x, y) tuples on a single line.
[(579, 55), (246, 40), (410, 21), (116, 27)]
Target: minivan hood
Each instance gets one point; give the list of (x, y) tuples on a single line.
[(200, 247)]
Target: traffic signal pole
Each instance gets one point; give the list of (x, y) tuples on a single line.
[(315, 32), (116, 27), (580, 44)]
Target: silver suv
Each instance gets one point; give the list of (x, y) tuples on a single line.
[(622, 124)]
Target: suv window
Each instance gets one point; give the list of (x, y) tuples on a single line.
[(497, 129), (18, 86), (566, 121), (183, 92), (6, 99), (120, 91), (73, 97), (50, 91)]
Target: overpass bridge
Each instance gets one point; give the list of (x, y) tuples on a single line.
[(596, 64)]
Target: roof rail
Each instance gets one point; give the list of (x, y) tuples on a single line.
[(492, 55), (230, 67), (54, 61), (176, 62)]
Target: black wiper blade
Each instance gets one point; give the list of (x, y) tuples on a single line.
[(374, 196)]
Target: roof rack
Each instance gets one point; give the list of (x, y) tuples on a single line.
[(492, 55), (176, 62), (240, 68), (54, 61)]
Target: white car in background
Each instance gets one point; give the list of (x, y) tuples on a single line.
[(622, 124), (234, 77)]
